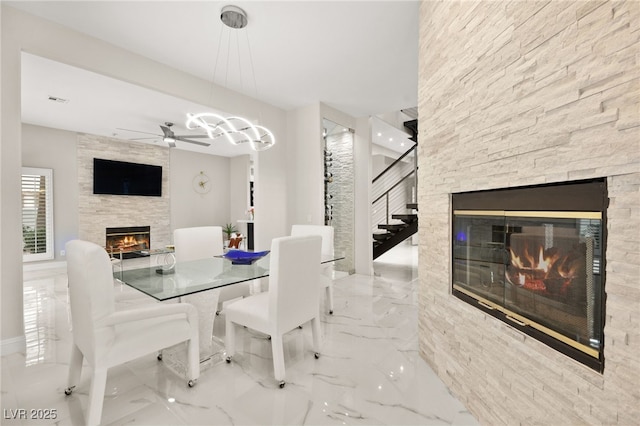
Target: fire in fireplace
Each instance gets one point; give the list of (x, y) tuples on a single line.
[(533, 258), (128, 241)]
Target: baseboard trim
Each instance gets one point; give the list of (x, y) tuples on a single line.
[(13, 345), (43, 265)]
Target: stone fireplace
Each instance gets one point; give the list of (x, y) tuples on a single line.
[(519, 94), (534, 258), (96, 212)]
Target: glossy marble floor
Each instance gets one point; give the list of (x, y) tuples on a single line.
[(369, 373)]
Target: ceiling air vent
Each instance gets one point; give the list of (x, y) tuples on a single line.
[(58, 100)]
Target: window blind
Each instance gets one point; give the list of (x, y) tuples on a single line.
[(37, 214)]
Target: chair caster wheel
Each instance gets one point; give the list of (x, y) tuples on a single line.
[(217, 313), (68, 391), (331, 312), (160, 357), (228, 360), (191, 383), (268, 337), (300, 327), (317, 355), (281, 384)]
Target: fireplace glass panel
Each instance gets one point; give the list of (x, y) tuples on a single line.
[(553, 274), (479, 256), (128, 241), (542, 270)]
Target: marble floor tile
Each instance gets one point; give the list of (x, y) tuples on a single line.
[(369, 371)]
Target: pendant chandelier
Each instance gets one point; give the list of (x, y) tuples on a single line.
[(236, 130)]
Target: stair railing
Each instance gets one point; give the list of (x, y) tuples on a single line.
[(387, 186)]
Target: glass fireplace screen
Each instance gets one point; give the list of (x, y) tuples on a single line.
[(540, 269)]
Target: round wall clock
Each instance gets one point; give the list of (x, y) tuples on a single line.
[(201, 183)]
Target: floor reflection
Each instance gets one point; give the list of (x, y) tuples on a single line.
[(369, 371)]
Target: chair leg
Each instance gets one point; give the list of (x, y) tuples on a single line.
[(317, 338), (230, 339), (75, 369), (329, 297), (96, 396), (278, 357), (193, 350)]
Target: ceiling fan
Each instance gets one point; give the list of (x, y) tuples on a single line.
[(170, 137)]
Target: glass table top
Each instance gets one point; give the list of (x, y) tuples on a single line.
[(195, 276)]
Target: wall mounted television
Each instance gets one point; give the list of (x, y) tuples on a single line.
[(123, 178)]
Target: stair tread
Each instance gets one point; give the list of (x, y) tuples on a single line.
[(392, 226), (406, 218), (385, 241)]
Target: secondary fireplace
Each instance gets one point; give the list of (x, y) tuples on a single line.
[(533, 257), (128, 241)]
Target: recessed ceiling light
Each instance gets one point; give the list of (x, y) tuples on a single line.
[(402, 144), (379, 133), (390, 139)]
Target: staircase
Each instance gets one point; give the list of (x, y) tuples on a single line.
[(391, 188), (395, 233)]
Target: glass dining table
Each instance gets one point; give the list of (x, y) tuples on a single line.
[(171, 281), (192, 282)]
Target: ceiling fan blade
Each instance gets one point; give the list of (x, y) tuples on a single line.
[(138, 131), (144, 139), (191, 141), (168, 133), (190, 136)]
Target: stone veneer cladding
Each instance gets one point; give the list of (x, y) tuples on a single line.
[(342, 189), (97, 212), (521, 93)]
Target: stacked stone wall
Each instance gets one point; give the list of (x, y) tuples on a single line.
[(515, 93), (98, 212)]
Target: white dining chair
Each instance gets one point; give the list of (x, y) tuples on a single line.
[(105, 337), (326, 270), (292, 299), (203, 242)]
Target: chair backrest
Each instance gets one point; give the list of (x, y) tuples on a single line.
[(293, 280), (326, 232), (199, 242), (91, 294)]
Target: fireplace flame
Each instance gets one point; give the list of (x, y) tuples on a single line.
[(536, 269)]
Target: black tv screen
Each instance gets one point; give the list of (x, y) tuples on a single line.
[(122, 178)]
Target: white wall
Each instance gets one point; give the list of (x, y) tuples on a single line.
[(23, 32), (189, 208), (362, 147), (56, 149), (11, 321), (305, 160), (239, 178)]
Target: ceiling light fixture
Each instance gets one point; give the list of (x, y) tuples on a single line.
[(236, 130)]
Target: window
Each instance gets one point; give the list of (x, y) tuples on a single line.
[(37, 214)]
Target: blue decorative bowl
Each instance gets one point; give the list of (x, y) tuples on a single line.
[(241, 257)]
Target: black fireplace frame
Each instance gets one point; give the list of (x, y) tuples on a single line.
[(574, 196), (127, 230)]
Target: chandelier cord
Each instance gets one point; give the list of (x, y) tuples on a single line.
[(236, 129), (215, 66)]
